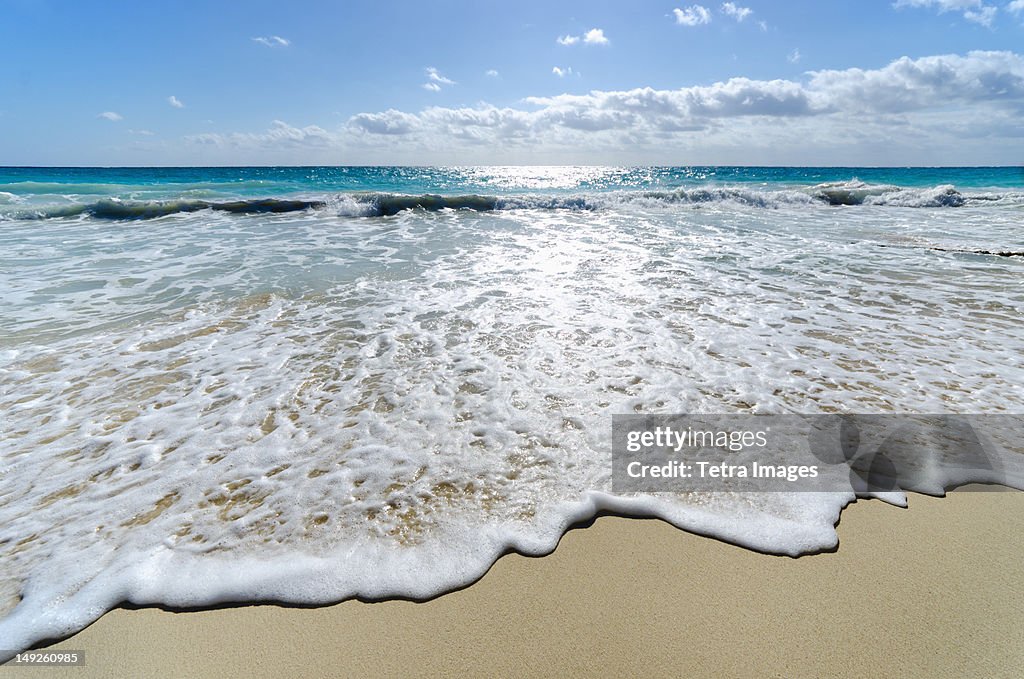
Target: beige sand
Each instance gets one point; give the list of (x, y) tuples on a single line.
[(933, 591)]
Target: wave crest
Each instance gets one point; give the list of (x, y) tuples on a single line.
[(112, 208), (384, 204), (856, 192)]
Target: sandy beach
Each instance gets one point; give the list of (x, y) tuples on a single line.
[(930, 591)]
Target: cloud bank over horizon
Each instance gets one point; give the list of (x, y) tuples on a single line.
[(924, 110)]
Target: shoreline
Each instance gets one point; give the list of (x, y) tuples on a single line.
[(932, 590)]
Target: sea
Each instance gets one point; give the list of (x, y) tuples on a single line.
[(305, 384)]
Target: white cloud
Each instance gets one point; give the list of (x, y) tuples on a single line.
[(1015, 7), (175, 102), (595, 36), (916, 84), (435, 80), (690, 105), (763, 26), (280, 134), (983, 16), (494, 74), (390, 122), (141, 133), (972, 10), (695, 15), (434, 76), (794, 56), (272, 41), (562, 72), (111, 116), (737, 13)]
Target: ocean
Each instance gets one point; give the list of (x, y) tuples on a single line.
[(304, 384)]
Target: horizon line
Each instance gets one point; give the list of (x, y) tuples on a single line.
[(200, 167)]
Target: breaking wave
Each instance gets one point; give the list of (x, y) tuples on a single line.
[(383, 204), (850, 193), (112, 208), (856, 192)]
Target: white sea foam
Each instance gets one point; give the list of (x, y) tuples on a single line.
[(306, 407)]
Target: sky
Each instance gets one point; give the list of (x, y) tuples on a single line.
[(904, 82)]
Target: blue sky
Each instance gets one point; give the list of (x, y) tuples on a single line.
[(800, 82)]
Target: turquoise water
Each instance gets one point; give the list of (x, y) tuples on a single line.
[(144, 193), (275, 181)]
